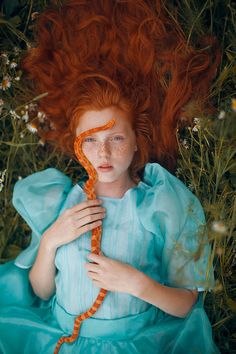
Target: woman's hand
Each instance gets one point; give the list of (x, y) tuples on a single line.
[(112, 275), (74, 222)]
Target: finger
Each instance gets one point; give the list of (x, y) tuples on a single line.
[(94, 276), (88, 227), (92, 210), (96, 258), (101, 212), (91, 267), (86, 204), (89, 219)]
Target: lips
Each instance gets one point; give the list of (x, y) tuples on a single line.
[(104, 166)]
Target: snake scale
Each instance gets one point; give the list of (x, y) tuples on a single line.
[(89, 189)]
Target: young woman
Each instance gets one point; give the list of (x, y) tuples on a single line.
[(98, 61)]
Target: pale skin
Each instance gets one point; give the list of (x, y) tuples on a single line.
[(105, 272)]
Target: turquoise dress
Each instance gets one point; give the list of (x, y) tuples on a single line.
[(157, 227)]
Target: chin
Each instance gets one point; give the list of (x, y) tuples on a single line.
[(106, 179)]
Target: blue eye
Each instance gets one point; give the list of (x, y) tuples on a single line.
[(118, 137), (89, 139), (115, 138)]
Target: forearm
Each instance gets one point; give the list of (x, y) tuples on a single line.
[(42, 274), (174, 301)]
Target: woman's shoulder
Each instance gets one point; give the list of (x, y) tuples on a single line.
[(45, 176), (166, 199), (160, 181), (41, 181), (39, 197)]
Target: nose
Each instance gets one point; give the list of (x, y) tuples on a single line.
[(104, 149)]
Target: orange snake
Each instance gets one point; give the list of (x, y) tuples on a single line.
[(96, 232)]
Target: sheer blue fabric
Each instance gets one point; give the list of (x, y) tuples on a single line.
[(157, 227)]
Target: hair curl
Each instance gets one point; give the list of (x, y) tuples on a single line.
[(93, 54)]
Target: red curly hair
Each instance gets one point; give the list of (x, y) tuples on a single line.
[(93, 54)]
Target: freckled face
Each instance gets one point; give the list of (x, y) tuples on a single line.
[(115, 146)]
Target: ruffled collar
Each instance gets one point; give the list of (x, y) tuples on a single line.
[(151, 178)]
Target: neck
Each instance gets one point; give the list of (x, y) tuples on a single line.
[(114, 189)]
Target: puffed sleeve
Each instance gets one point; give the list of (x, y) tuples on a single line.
[(38, 198), (176, 217)]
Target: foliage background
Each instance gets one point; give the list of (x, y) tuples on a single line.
[(207, 148)]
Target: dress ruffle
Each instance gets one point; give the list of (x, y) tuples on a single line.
[(38, 198)]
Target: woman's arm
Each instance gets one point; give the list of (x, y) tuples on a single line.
[(42, 274), (70, 225), (174, 301), (114, 275)]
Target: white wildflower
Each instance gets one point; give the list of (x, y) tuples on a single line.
[(178, 172), (52, 126), (17, 78), (40, 114), (41, 142), (34, 15), (196, 128), (32, 128), (22, 135), (16, 50), (2, 178), (14, 114), (185, 144), (196, 121), (13, 64), (219, 227), (19, 178), (221, 115), (32, 106), (191, 187), (41, 117), (6, 83), (1, 105), (25, 117), (5, 57)]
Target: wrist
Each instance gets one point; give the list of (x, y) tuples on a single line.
[(140, 283), (47, 243)]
